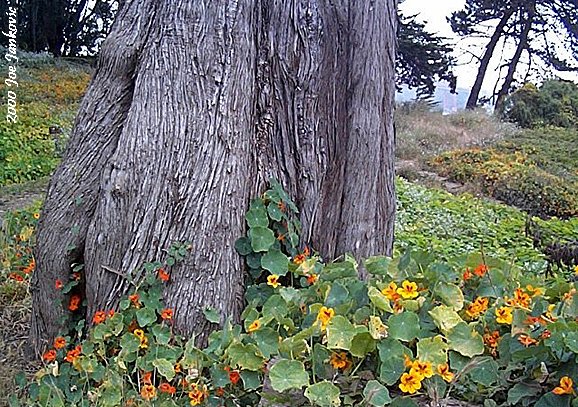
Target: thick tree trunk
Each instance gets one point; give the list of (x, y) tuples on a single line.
[(522, 45), (193, 106), (472, 101)]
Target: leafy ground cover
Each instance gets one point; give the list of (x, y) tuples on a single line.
[(48, 96), (478, 329)]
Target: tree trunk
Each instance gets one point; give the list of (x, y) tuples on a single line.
[(522, 45), (192, 107), (472, 101)]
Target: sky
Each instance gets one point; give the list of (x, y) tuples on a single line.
[(434, 13)]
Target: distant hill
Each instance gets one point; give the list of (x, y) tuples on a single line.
[(448, 102)]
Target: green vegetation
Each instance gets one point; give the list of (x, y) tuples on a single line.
[(47, 97), (474, 329)]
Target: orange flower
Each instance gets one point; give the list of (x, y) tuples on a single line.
[(234, 376), (423, 369), (220, 392), (546, 334), (58, 284), (110, 313), (76, 276), (16, 277), (59, 342), (134, 299), (480, 270), (255, 325), (163, 275), (467, 274), (74, 302), (408, 290), (49, 356), (299, 259), (521, 299), (178, 368), (167, 388), (324, 316), (391, 292), (565, 386), (167, 314), (407, 362), (526, 340), (340, 361), (99, 317), (197, 396), (444, 372), (273, 280), (148, 392), (146, 378), (410, 382), (73, 354), (492, 340), (312, 279), (478, 307)]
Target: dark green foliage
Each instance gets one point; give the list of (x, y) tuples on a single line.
[(554, 103)]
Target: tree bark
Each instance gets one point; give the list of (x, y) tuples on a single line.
[(193, 107), (472, 101)]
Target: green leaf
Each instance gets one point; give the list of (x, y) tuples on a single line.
[(571, 340), (251, 380), (262, 238), (433, 350), (445, 317), (274, 211), (243, 246), (485, 371), (275, 261), (378, 265), (275, 307), (165, 368), (391, 355), (338, 270), (257, 217), (323, 394), (161, 333), (129, 343), (288, 374), (146, 316), (552, 400), (212, 315), (340, 333), (337, 295), (404, 326), (362, 344), (267, 339), (245, 356), (521, 391), (379, 300), (376, 394), (465, 340), (451, 295)]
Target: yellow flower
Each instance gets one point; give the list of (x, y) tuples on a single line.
[(391, 292), (565, 387), (148, 391), (550, 313), (444, 372), (478, 307), (504, 315), (576, 269), (255, 325), (408, 290), (324, 316), (36, 215), (534, 291), (410, 382), (273, 280), (144, 342), (423, 369)]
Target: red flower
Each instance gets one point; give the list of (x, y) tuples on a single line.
[(167, 388), (74, 302), (110, 313), (163, 275), (73, 354), (16, 277), (480, 270), (49, 356), (234, 377), (167, 314), (58, 284), (59, 342), (99, 317)]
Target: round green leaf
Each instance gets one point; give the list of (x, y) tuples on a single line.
[(257, 217), (323, 394), (362, 344), (485, 372), (451, 295), (275, 261), (243, 246), (146, 316), (262, 238), (340, 333), (391, 356), (465, 340), (274, 211), (165, 368), (404, 326), (245, 356), (275, 307), (376, 394), (288, 374), (445, 317), (379, 300)]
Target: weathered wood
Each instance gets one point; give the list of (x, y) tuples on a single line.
[(193, 106)]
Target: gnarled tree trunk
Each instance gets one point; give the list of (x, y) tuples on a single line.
[(193, 106)]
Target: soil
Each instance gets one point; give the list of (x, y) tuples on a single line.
[(19, 196)]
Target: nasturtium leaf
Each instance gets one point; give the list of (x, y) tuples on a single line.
[(553, 400), (378, 265), (257, 217), (219, 376), (323, 394), (464, 339), (161, 333), (288, 374), (376, 394), (129, 343), (337, 295), (404, 326), (275, 307), (262, 238), (267, 339), (251, 380), (165, 368), (275, 261), (391, 356), (290, 294), (245, 356), (451, 295), (379, 300), (403, 402), (338, 270), (445, 317), (340, 333), (571, 341), (243, 246), (570, 308), (362, 344), (254, 259), (274, 211), (212, 315), (521, 391), (146, 316), (485, 371), (433, 350)]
